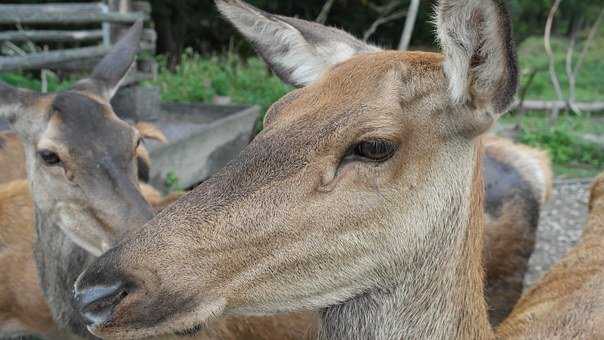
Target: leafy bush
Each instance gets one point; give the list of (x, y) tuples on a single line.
[(200, 78), (590, 83), (25, 80), (564, 141), (172, 182)]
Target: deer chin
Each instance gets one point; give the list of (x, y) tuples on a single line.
[(131, 319)]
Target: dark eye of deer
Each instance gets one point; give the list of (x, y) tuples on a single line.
[(49, 157), (376, 150)]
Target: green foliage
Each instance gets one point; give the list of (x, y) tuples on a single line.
[(24, 80), (172, 182), (200, 78), (590, 81), (565, 142)]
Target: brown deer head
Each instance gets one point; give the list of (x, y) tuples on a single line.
[(363, 179), (80, 155), (81, 169)]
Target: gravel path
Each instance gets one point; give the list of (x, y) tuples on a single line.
[(560, 226)]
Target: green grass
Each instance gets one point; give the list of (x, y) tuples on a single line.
[(590, 81), (571, 154), (200, 78), (29, 82)]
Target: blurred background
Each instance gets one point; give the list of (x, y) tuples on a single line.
[(198, 57)]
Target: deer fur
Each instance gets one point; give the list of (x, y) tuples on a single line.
[(568, 302), (23, 309), (66, 168), (302, 219), (12, 157), (12, 154), (518, 182)]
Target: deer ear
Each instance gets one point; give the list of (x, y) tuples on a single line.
[(14, 101), (113, 68), (480, 58), (298, 51)]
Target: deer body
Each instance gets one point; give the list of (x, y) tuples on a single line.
[(12, 159), (568, 302), (518, 181), (23, 308)]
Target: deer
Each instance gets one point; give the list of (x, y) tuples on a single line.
[(362, 198), (568, 302), (23, 307), (12, 156), (82, 173), (518, 182)]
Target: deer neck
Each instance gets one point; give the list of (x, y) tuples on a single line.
[(59, 262), (441, 298)]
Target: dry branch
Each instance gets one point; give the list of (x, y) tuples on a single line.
[(570, 74), (550, 55), (380, 21), (385, 15), (322, 18), (409, 24), (541, 105), (589, 41)]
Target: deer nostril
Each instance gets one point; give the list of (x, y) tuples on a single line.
[(97, 303)]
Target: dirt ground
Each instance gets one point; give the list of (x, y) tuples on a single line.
[(560, 226)]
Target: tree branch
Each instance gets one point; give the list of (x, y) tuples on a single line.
[(550, 54), (322, 18), (589, 41), (409, 24), (385, 9), (380, 21), (569, 68)]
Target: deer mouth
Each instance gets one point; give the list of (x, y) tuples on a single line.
[(136, 317)]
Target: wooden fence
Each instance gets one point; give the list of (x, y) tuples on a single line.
[(111, 18)]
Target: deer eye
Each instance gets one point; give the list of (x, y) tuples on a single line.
[(375, 150), (49, 158)]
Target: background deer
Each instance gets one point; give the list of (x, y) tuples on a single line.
[(23, 307), (568, 302), (81, 168), (362, 196), (12, 155), (518, 182)]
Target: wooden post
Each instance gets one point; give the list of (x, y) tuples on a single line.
[(122, 7)]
